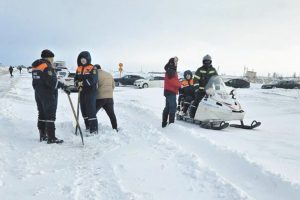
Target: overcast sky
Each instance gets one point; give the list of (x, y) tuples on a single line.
[(263, 35)]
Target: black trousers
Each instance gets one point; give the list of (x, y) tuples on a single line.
[(88, 110), (186, 103), (198, 97), (46, 105), (108, 106)]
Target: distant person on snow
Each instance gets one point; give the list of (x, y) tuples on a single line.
[(201, 78), (11, 69), (171, 87), (186, 92), (20, 69), (86, 79), (106, 86), (45, 86)]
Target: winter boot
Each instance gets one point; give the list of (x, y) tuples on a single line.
[(116, 129), (87, 125), (192, 110), (54, 140), (51, 137), (43, 135), (171, 118), (164, 119)]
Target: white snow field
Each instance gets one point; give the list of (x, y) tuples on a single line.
[(144, 161)]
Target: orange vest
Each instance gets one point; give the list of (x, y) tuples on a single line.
[(185, 83), (84, 70), (41, 67)]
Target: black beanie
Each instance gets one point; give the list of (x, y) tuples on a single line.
[(47, 54)]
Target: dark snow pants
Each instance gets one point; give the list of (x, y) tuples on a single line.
[(186, 103), (198, 97), (108, 106), (46, 105), (88, 110)]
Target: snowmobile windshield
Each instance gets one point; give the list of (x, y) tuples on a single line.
[(217, 86)]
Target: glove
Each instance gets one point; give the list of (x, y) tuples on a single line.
[(60, 85), (67, 90), (79, 84)]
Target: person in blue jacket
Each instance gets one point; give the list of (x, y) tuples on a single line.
[(86, 79), (45, 86)]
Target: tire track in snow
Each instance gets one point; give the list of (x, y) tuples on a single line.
[(242, 174), (96, 180), (235, 168), (202, 178)]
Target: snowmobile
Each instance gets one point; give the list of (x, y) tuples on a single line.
[(217, 108)]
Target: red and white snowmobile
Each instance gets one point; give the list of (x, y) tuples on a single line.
[(217, 108)]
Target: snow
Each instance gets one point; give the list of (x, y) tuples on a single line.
[(144, 161)]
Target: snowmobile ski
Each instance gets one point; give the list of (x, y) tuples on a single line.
[(253, 125)]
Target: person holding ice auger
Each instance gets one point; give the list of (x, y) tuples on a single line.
[(86, 79)]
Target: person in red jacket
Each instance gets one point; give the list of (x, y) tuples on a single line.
[(171, 87)]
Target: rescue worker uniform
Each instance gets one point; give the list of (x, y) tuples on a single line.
[(88, 76), (45, 84), (201, 78), (186, 92)]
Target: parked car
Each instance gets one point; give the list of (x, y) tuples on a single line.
[(68, 79), (153, 81), (237, 83), (62, 74), (283, 84), (127, 79)]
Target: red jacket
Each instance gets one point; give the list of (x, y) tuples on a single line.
[(172, 85)]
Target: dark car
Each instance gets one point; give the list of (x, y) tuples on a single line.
[(127, 79), (283, 84), (237, 83)]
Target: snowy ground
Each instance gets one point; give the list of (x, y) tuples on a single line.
[(144, 161)]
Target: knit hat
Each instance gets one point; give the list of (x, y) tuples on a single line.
[(47, 54)]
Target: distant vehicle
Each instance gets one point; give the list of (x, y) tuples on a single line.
[(283, 84), (68, 79), (59, 66), (127, 79), (237, 83), (62, 74), (153, 81)]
